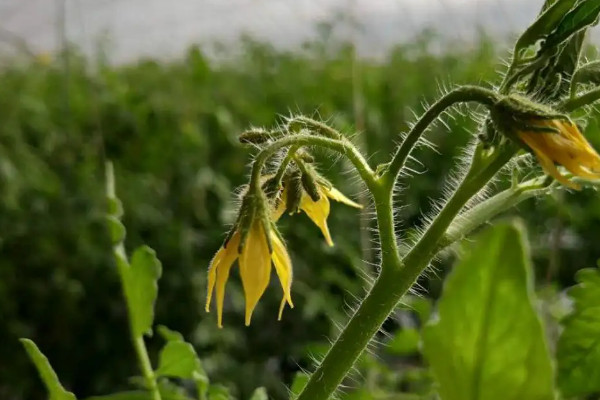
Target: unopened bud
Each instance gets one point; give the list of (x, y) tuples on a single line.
[(309, 183), (305, 156), (255, 136), (293, 192)]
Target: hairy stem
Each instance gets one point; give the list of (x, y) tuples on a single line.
[(397, 276), (122, 266), (582, 100), (460, 95), (341, 146)]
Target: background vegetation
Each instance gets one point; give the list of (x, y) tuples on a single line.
[(170, 128)]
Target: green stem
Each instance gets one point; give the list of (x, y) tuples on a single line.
[(580, 101), (460, 95), (341, 146), (368, 317), (284, 164), (146, 366), (122, 266), (397, 276)]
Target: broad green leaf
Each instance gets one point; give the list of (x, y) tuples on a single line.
[(55, 389), (583, 15), (545, 24), (488, 343), (578, 351), (178, 359), (298, 384), (588, 73), (141, 289), (260, 394)]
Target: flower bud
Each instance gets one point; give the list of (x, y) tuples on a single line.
[(255, 136), (293, 196), (309, 183)]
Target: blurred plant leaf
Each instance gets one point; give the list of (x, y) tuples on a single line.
[(578, 351), (544, 25), (583, 15), (141, 288), (169, 334), (49, 377), (218, 392), (298, 384), (488, 342), (405, 342), (260, 394)]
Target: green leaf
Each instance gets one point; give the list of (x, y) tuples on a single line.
[(169, 334), (55, 389), (298, 384), (178, 359), (585, 14), (260, 394), (578, 351), (488, 343), (141, 289), (116, 230), (404, 342), (545, 24), (166, 393), (218, 392), (130, 395)]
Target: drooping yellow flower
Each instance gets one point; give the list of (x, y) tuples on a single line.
[(258, 252), (566, 146), (317, 211)]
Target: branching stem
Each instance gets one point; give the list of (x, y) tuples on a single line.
[(462, 94)]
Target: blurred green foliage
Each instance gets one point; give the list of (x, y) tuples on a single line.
[(170, 128)]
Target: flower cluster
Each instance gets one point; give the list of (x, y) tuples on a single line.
[(255, 243)]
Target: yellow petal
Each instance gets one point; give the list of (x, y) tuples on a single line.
[(219, 273), (548, 166), (336, 195), (283, 267), (255, 267), (317, 211)]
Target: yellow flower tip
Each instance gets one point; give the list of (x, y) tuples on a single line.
[(566, 147), (285, 300), (249, 312), (338, 196)]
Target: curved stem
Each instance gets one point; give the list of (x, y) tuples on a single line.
[(342, 146), (397, 276), (460, 95), (580, 101)]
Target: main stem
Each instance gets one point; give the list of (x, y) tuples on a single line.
[(396, 277)]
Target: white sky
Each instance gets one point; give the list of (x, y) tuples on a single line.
[(164, 28)]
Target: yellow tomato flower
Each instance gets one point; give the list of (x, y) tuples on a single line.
[(258, 252), (317, 211), (567, 147)]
